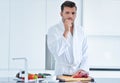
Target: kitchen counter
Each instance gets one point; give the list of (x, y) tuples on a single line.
[(97, 80)]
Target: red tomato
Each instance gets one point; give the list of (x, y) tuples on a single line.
[(30, 76)]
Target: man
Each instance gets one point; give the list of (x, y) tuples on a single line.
[(67, 43)]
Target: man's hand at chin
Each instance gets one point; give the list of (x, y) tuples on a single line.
[(80, 74)]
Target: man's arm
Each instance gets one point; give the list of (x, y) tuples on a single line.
[(56, 42), (84, 64), (84, 68), (67, 25)]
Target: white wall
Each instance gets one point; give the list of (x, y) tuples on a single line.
[(101, 22), (22, 34)]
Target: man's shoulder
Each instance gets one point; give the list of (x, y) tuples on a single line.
[(54, 27)]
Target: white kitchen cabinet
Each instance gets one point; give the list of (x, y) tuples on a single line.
[(28, 33), (102, 25), (4, 35), (102, 17), (22, 34)]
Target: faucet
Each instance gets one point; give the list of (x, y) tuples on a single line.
[(25, 66)]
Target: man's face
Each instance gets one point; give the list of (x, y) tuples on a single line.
[(69, 14)]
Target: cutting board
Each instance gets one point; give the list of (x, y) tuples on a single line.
[(71, 79)]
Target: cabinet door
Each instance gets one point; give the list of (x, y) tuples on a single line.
[(102, 24), (4, 35), (102, 17), (27, 34)]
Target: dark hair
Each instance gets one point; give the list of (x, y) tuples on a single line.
[(68, 4)]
